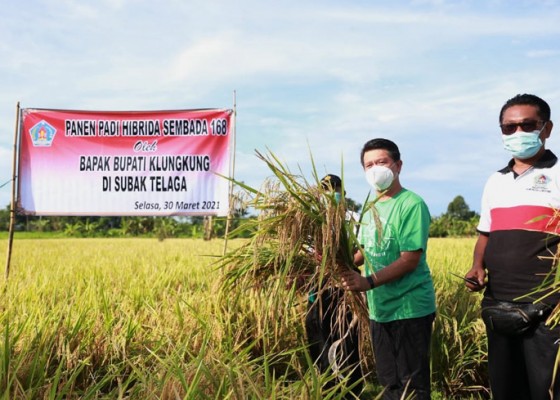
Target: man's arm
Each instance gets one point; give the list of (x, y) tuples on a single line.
[(477, 271), (358, 258), (407, 262)]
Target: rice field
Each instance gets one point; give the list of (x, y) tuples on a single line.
[(146, 319)]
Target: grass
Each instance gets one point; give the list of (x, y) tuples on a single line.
[(145, 319)]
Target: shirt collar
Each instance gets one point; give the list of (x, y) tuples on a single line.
[(547, 160)]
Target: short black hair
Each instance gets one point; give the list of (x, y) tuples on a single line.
[(543, 109), (382, 144), (331, 182)]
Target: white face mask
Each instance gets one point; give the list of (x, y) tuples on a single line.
[(523, 145), (379, 177)]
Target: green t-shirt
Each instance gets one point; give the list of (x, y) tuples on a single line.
[(405, 222)]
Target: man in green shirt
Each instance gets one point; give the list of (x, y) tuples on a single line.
[(400, 291)]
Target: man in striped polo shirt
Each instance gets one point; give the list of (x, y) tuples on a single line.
[(514, 259)]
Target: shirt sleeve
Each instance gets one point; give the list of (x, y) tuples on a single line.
[(415, 227), (485, 219)]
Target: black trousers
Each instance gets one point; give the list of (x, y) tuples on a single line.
[(402, 356), (323, 330), (521, 367)]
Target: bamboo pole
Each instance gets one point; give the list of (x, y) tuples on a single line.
[(232, 173), (13, 199)]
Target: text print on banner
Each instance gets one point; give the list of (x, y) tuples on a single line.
[(124, 163)]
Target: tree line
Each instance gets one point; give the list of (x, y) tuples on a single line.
[(160, 227), (458, 221)]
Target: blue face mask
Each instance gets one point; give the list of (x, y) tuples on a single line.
[(523, 145), (337, 197)]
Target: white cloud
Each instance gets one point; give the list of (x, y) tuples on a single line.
[(544, 53), (432, 75)]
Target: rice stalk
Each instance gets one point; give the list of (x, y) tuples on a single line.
[(302, 243)]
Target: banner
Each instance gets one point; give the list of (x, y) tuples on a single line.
[(124, 163)]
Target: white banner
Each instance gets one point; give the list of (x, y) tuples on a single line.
[(124, 163)]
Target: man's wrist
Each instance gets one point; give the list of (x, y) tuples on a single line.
[(371, 282)]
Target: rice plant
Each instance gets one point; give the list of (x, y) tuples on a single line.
[(459, 348), (145, 319), (302, 240)]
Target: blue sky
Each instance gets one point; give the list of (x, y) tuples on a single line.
[(319, 76)]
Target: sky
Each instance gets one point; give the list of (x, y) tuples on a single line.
[(313, 80)]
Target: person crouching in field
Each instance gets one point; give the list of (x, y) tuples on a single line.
[(323, 327)]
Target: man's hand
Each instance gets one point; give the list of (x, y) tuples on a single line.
[(354, 281), (477, 274)]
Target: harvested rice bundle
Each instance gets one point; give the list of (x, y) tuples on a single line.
[(302, 241)]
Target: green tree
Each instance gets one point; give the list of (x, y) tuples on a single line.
[(90, 228), (41, 225), (459, 209), (458, 221), (352, 205), (74, 229), (165, 228), (5, 219)]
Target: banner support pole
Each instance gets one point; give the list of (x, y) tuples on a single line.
[(232, 169), (13, 199)]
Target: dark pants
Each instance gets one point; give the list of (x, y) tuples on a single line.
[(521, 367), (402, 356), (323, 328)]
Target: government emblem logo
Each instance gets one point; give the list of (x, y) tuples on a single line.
[(42, 134), (541, 180), (540, 183)]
